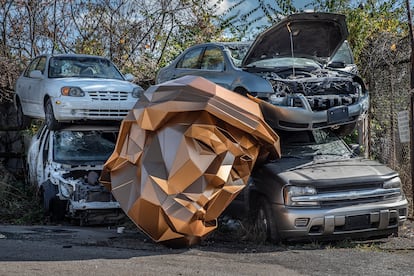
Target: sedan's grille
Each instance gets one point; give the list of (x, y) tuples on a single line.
[(108, 95), (106, 112)]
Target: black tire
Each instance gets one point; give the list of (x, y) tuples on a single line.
[(50, 119), (264, 222), (241, 91), (22, 121), (57, 209), (49, 192)]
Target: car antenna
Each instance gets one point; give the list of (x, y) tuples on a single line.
[(291, 48)]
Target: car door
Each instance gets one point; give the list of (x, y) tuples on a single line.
[(189, 64), (30, 88), (213, 67)]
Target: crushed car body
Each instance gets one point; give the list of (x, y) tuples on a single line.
[(301, 70), (65, 166), (311, 87), (319, 189), (183, 154)]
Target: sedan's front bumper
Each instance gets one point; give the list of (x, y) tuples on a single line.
[(304, 118), (365, 220), (72, 108)]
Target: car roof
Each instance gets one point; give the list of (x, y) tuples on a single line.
[(71, 55)]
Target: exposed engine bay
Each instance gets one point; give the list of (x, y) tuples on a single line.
[(322, 88)]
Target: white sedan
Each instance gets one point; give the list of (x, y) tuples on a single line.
[(72, 87)]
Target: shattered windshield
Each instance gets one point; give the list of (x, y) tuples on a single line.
[(83, 67), (86, 147), (312, 143)]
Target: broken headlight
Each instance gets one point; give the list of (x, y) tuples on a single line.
[(137, 92), (66, 189), (300, 196)]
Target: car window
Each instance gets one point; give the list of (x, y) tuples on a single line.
[(311, 143), (212, 59), (82, 67), (41, 65), (92, 146), (344, 54), (191, 60), (237, 52), (31, 67)]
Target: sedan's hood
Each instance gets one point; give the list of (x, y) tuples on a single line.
[(328, 169), (317, 35), (96, 84)]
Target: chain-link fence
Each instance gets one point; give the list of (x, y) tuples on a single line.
[(386, 69)]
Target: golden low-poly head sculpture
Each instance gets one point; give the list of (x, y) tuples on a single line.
[(183, 154)]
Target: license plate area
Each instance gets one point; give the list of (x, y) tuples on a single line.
[(357, 222), (338, 114)]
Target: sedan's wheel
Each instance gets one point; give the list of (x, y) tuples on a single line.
[(49, 192), (22, 120), (265, 228), (50, 119)]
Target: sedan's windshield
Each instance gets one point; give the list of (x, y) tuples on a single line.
[(277, 62), (83, 147), (311, 143), (83, 67)]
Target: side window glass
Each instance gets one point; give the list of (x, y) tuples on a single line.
[(32, 66), (191, 59), (41, 65), (344, 54), (213, 59)]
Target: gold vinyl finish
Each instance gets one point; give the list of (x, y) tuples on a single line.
[(183, 154)]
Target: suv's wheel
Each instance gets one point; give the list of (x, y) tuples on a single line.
[(50, 119), (22, 120), (264, 223)]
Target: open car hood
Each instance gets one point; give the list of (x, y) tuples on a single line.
[(317, 35)]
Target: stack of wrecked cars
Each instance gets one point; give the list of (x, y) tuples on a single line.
[(81, 99), (250, 129), (302, 74)]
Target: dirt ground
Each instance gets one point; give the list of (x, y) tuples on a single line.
[(70, 250)]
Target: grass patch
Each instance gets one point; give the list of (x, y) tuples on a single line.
[(19, 203)]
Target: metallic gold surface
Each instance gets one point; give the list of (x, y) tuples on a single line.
[(183, 154)]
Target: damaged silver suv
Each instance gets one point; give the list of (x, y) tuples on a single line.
[(66, 164), (318, 189), (301, 71)]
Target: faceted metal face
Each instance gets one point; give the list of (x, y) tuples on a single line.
[(183, 154)]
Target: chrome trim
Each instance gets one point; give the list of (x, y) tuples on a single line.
[(351, 195)]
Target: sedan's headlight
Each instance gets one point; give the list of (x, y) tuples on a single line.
[(137, 92), (72, 91), (300, 196), (392, 183)]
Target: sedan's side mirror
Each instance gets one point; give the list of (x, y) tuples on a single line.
[(36, 74), (129, 77)]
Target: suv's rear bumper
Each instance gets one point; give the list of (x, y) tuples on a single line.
[(364, 220)]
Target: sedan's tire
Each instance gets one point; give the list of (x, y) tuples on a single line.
[(57, 209), (23, 121), (49, 192), (264, 223), (50, 119)]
